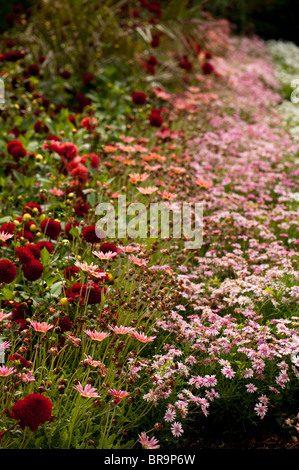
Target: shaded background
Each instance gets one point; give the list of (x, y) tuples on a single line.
[(269, 19)]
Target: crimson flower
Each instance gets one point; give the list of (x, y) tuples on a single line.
[(32, 411)]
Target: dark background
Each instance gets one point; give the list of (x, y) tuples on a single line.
[(269, 19)]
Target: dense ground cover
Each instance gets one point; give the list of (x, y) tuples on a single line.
[(140, 342)]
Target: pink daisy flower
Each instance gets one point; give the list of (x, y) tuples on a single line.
[(121, 330), (142, 337), (5, 371), (3, 315), (176, 429), (148, 443), (105, 256), (97, 335), (88, 391), (5, 236), (118, 393), (42, 327)]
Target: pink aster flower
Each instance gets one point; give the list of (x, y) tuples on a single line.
[(138, 261), (129, 248), (88, 391), (5, 371), (97, 335), (251, 388), (27, 377), (260, 410), (4, 345), (89, 268), (228, 372), (148, 443), (176, 429), (88, 360), (3, 315), (76, 341), (121, 330), (5, 236), (42, 327), (142, 337), (118, 393), (105, 256), (169, 415), (148, 190)]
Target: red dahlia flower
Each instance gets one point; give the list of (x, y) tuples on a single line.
[(80, 172), (138, 97), (16, 150), (207, 68), (24, 254), (23, 361), (45, 244), (156, 119), (51, 228), (89, 123), (30, 206), (33, 270), (64, 323), (70, 271), (31, 411), (90, 235), (33, 69), (91, 293), (106, 247), (34, 250), (81, 209), (8, 271)]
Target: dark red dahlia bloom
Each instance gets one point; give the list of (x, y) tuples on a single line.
[(81, 209), (45, 244), (8, 271), (32, 411), (24, 254), (91, 294), (138, 97), (26, 234), (89, 123), (41, 127), (80, 172), (156, 119), (51, 228), (185, 64), (64, 323), (34, 250), (33, 70), (90, 235), (23, 361), (66, 74), (207, 68), (88, 78), (33, 270), (8, 228), (152, 60), (155, 42), (70, 272), (16, 150), (30, 206), (107, 246)]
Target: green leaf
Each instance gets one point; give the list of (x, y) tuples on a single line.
[(174, 9), (45, 256), (56, 289), (7, 294), (75, 232)]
